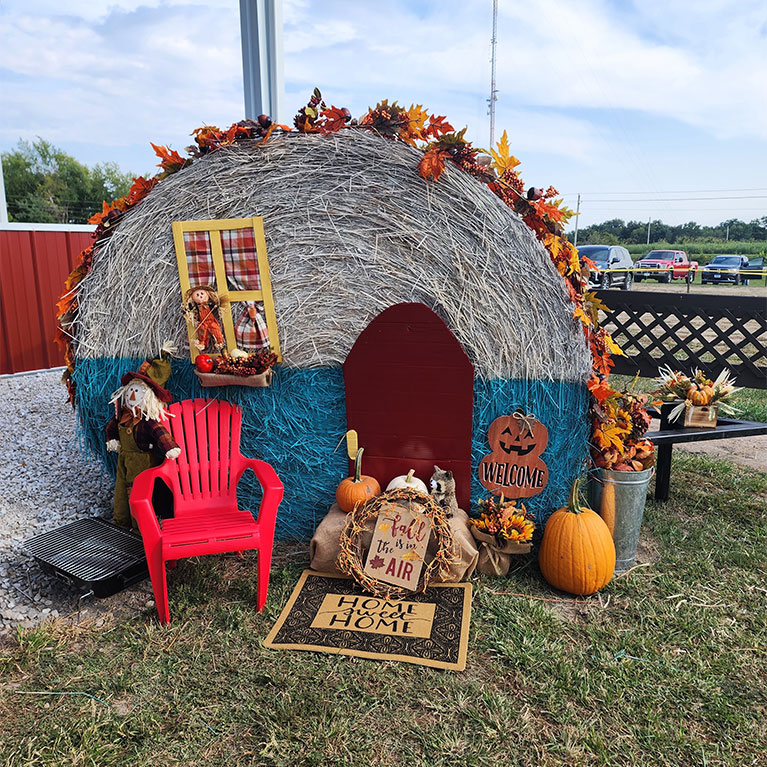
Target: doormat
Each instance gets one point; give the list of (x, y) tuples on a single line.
[(331, 613)]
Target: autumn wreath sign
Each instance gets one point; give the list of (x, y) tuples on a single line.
[(395, 564)]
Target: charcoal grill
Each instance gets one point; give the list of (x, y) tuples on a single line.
[(92, 554)]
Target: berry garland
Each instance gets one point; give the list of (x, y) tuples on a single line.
[(351, 550)]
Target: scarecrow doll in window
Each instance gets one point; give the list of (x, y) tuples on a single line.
[(201, 307), (136, 432)]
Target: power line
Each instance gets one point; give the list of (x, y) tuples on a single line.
[(678, 191), (679, 199)]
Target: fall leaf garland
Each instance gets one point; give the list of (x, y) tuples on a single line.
[(542, 211)]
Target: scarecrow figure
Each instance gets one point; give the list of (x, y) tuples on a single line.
[(136, 432), (201, 306)]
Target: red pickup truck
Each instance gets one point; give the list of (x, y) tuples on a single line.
[(664, 266)]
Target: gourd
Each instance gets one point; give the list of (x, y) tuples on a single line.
[(699, 396), (408, 481), (577, 553), (357, 489)]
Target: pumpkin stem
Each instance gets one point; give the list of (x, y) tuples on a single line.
[(409, 478), (358, 465), (573, 505)]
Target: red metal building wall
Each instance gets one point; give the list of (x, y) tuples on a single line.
[(33, 268)]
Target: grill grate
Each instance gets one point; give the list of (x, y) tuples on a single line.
[(92, 553)]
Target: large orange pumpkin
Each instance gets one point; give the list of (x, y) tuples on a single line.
[(577, 552), (357, 489)]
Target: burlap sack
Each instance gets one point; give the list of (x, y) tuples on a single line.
[(495, 558), (323, 548)]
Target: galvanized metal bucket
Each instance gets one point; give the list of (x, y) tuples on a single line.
[(619, 498)]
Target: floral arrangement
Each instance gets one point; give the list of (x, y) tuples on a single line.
[(504, 520), (244, 364), (697, 390), (620, 422)]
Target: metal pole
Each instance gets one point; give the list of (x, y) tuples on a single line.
[(3, 205), (493, 97), (262, 59), (577, 211), (648, 231)]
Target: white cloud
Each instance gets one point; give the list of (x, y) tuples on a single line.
[(578, 83)]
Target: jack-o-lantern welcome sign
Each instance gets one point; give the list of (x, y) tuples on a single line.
[(514, 469)]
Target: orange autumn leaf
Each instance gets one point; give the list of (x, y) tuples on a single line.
[(170, 159), (140, 189), (554, 210), (413, 122), (437, 127), (432, 164), (600, 389), (334, 120), (97, 218)]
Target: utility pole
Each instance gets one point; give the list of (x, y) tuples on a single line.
[(648, 231), (577, 211), (262, 59), (493, 92), (727, 238), (3, 205)]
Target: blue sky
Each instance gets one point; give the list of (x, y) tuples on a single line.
[(637, 106)]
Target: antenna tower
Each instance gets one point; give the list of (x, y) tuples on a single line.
[(493, 92)]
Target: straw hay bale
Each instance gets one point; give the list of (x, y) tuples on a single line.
[(351, 229)]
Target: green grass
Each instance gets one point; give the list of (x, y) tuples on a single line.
[(667, 666)]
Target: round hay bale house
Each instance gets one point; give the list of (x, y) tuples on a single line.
[(351, 229)]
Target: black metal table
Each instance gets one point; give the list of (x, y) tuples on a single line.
[(726, 428)]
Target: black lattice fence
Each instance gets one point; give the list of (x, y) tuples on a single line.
[(688, 331)]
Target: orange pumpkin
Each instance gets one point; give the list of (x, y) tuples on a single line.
[(697, 396), (577, 552), (357, 489)]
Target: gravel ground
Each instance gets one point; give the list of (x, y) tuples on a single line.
[(46, 481)]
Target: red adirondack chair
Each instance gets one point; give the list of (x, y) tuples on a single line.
[(203, 480)]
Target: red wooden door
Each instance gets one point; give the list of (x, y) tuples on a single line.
[(409, 395)]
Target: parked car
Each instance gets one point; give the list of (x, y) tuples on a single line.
[(664, 266), (614, 266), (726, 268), (757, 268)]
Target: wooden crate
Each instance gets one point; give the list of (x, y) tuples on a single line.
[(701, 416)]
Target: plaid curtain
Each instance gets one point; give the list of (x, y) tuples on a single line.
[(199, 258), (250, 330), (240, 259)]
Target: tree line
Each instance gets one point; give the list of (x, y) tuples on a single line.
[(616, 231), (43, 184)]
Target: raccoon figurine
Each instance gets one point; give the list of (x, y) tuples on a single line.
[(443, 491)]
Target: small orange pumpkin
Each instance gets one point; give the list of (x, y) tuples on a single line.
[(357, 489), (577, 552), (697, 396)]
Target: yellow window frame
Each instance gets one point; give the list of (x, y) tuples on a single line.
[(214, 229)]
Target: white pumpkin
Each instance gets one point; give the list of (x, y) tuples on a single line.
[(408, 481)]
